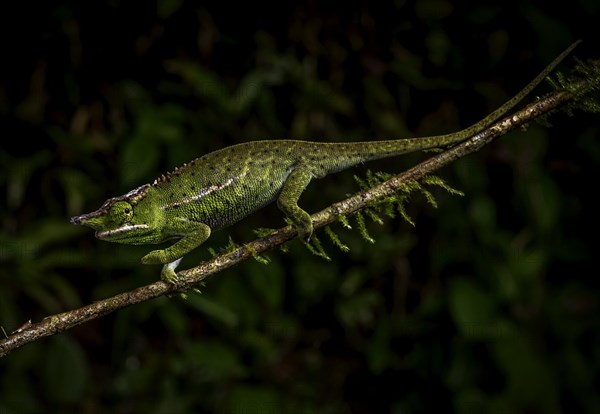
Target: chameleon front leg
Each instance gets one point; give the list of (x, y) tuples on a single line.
[(195, 234), (288, 201)]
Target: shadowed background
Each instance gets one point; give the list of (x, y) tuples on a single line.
[(490, 304)]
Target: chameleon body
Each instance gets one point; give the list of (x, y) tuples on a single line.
[(222, 187)]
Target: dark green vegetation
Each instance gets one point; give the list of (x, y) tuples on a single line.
[(490, 304)]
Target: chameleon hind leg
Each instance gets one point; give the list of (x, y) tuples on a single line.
[(288, 201)]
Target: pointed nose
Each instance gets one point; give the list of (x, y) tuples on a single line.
[(93, 219), (75, 220), (83, 219)]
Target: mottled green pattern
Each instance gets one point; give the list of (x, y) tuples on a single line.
[(222, 187)]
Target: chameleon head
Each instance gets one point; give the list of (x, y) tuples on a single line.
[(123, 220)]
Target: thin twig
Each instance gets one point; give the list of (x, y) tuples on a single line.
[(54, 324)]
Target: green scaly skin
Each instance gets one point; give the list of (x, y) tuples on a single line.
[(220, 188)]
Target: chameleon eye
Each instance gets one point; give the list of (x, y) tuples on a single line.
[(122, 211)]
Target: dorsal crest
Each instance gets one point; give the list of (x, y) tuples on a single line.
[(165, 178)]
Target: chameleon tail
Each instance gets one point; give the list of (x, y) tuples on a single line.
[(382, 149)]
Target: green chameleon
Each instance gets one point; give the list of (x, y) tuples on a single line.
[(222, 187)]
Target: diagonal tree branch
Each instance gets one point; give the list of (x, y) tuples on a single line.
[(61, 322)]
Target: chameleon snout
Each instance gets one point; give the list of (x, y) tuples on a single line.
[(81, 220), (90, 219), (76, 220)]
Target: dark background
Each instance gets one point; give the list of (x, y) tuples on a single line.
[(490, 304)]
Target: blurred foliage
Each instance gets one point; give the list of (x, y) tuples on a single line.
[(490, 304)]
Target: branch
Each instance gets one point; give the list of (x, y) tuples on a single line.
[(54, 324)]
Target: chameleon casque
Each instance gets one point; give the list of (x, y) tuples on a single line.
[(224, 186)]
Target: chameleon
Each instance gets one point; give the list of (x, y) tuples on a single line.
[(222, 187)]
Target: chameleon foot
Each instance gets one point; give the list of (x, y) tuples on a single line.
[(168, 274), (304, 228)]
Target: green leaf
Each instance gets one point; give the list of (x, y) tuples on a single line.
[(215, 359), (138, 160), (530, 379), (255, 400), (473, 310), (268, 283), (206, 83), (544, 202), (166, 8), (248, 91), (359, 309), (175, 319), (21, 171), (65, 370), (213, 310)]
